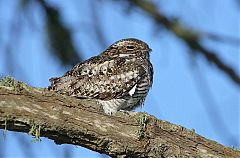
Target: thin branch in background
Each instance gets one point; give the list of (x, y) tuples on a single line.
[(59, 36), (211, 108), (220, 38), (190, 37), (237, 2), (97, 24), (214, 59)]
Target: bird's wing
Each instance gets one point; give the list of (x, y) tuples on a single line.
[(100, 78)]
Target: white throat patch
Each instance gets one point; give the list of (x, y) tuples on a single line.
[(132, 91)]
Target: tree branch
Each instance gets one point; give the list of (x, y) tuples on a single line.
[(82, 122)]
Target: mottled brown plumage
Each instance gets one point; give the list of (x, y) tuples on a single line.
[(119, 78)]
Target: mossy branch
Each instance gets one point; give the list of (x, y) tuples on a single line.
[(67, 120)]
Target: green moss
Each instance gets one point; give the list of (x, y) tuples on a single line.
[(142, 121), (8, 82), (15, 85), (35, 131), (5, 129)]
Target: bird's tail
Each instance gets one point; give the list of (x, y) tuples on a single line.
[(61, 84)]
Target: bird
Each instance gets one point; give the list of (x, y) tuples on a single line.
[(119, 78)]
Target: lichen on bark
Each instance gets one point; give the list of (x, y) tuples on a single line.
[(82, 122)]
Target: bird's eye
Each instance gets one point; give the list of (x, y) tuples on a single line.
[(130, 47)]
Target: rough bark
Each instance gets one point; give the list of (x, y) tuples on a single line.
[(68, 120)]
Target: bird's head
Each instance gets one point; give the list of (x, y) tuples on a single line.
[(129, 46)]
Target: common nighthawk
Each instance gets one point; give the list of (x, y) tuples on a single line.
[(119, 78)]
